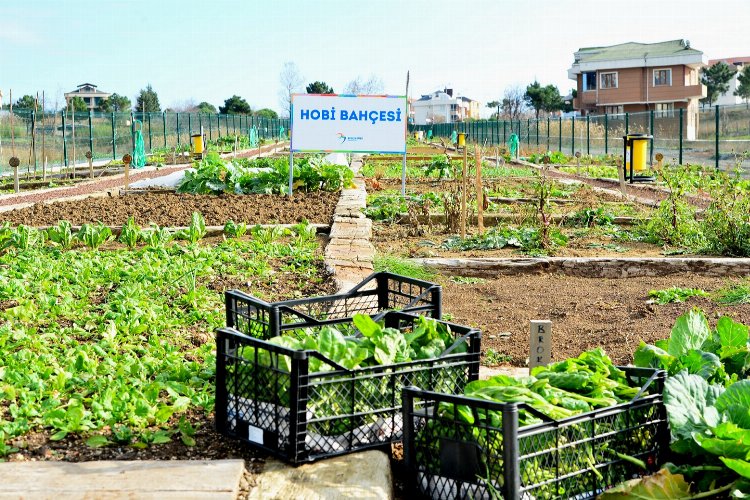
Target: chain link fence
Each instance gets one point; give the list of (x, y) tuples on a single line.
[(63, 138), (717, 136)]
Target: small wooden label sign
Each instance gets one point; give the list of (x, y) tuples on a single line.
[(540, 345)]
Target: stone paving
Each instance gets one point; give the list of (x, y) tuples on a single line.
[(349, 253)]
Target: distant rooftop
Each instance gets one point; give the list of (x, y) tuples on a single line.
[(731, 60), (635, 50)]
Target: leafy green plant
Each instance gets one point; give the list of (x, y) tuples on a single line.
[(591, 217), (675, 294), (61, 234), (130, 234), (726, 221), (195, 231), (494, 358), (441, 165), (235, 230), (156, 236), (22, 238), (94, 236), (528, 239)]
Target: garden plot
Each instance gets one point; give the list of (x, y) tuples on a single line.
[(108, 348)]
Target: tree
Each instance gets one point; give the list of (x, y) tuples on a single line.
[(318, 88), (115, 103), (266, 113), (513, 102), (568, 105), (743, 84), (716, 79), (78, 105), (205, 107), (291, 83), (494, 105), (25, 102), (543, 98), (235, 105), (371, 86), (147, 100)]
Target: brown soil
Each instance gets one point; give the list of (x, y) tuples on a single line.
[(176, 209), (585, 312)]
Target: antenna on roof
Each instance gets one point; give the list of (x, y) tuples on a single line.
[(687, 44)]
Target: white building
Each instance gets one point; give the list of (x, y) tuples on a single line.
[(728, 98), (442, 107)]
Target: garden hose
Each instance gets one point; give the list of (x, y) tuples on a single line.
[(513, 146), (139, 153)]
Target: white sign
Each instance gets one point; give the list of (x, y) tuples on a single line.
[(348, 123), (540, 343)]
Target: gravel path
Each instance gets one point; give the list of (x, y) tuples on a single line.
[(88, 187)]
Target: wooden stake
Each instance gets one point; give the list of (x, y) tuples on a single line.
[(480, 191), (621, 176), (463, 193), (126, 161)]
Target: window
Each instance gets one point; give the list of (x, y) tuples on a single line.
[(609, 80), (613, 110), (665, 109), (662, 77), (589, 81)]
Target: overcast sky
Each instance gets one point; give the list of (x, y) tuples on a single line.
[(212, 49)]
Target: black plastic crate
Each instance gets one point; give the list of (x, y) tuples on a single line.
[(378, 293), (494, 458), (266, 395)]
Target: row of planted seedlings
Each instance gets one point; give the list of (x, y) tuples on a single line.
[(522, 208), (108, 343), (700, 212), (675, 425)]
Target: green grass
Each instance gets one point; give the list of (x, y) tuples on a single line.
[(676, 294), (403, 267), (116, 345), (734, 294)]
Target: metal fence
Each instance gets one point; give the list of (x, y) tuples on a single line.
[(63, 138), (716, 136)]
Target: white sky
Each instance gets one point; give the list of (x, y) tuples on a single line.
[(212, 49)]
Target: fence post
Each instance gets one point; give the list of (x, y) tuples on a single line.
[(150, 138), (651, 132), (716, 135), (164, 126), (218, 125), (65, 144), (177, 118), (91, 135), (505, 125), (606, 135), (210, 128), (588, 135), (537, 133), (528, 132), (190, 127), (627, 123), (559, 139), (132, 131), (573, 135), (681, 117), (547, 133), (114, 140)]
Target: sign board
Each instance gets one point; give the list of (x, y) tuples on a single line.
[(540, 344), (348, 123)]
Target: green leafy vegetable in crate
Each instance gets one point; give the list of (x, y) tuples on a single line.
[(559, 391)]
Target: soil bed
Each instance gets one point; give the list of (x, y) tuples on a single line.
[(585, 312), (176, 209)]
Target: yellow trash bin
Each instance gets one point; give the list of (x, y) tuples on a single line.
[(635, 151), (196, 140), (461, 139)]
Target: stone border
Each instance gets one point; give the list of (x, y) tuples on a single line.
[(592, 267), (349, 253)]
